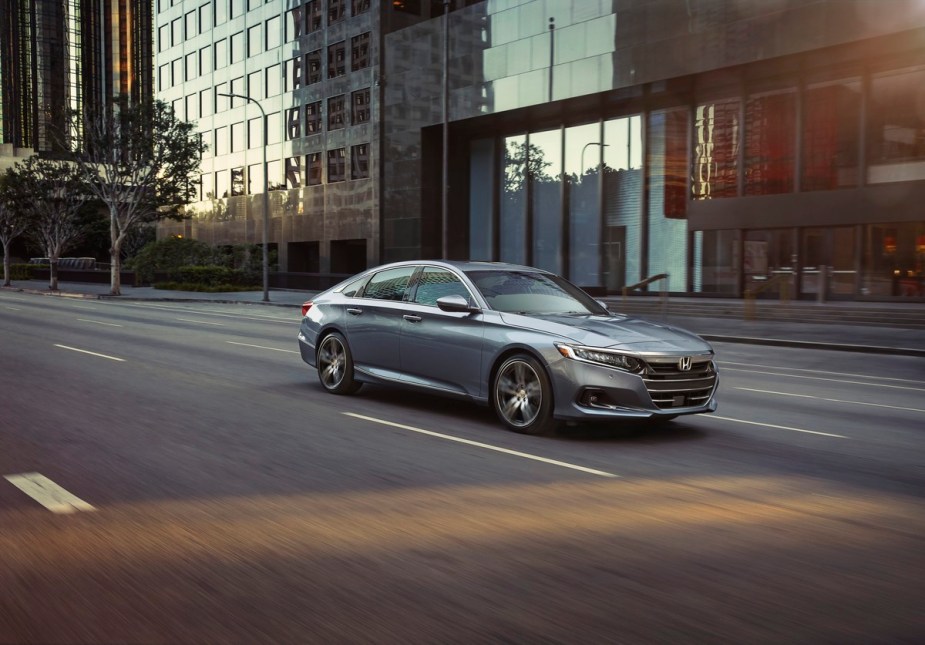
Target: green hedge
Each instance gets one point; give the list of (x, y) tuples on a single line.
[(213, 278), (23, 271)]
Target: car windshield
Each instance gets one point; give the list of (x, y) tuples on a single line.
[(532, 292)]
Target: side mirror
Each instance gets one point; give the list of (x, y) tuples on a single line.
[(456, 304)]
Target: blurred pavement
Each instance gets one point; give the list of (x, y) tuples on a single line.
[(886, 338)]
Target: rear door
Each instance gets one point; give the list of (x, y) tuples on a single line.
[(374, 322)]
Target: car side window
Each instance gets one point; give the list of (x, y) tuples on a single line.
[(351, 289), (390, 284), (435, 283)]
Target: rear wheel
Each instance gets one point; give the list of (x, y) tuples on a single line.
[(522, 396), (335, 365)]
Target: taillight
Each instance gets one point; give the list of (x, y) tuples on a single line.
[(305, 307)]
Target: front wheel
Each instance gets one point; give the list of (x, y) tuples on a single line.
[(522, 396), (335, 365)]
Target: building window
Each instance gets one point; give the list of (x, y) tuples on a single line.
[(407, 6), (897, 126), (717, 137), (770, 143), (192, 66), (255, 132), (255, 84), (337, 59), (176, 71), (205, 59), (313, 15), (254, 4), (254, 42), (360, 106), (163, 38), (237, 181), (359, 161), (205, 102), (237, 87), (237, 136), (293, 172), (163, 76), (220, 102), (237, 8), (831, 118), (192, 29), (207, 186), (221, 54), (337, 165), (313, 117), (221, 141), (274, 82), (359, 47), (178, 109), (192, 107), (205, 17), (313, 65), (359, 6), (336, 112), (221, 11), (293, 73), (293, 24), (293, 123), (237, 47), (336, 10), (176, 32), (273, 35), (314, 169)]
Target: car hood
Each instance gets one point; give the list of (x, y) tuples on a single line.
[(612, 331)]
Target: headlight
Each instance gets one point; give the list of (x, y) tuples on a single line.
[(602, 357)]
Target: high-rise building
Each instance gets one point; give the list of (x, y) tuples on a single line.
[(62, 55), (730, 145)]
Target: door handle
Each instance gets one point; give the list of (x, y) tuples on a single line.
[(412, 318), (353, 311)]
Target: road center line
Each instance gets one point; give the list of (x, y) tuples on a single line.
[(84, 351), (477, 444), (827, 373), (201, 322), (272, 349), (48, 493), (13, 308), (822, 398), (98, 322), (777, 427)]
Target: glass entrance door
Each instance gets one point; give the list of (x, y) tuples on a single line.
[(828, 263)]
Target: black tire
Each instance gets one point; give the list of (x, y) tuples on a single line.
[(335, 365), (522, 396)]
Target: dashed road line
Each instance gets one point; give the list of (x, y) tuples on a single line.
[(84, 351), (201, 322), (819, 378), (272, 349), (98, 322), (777, 427), (48, 493), (822, 398), (478, 444)]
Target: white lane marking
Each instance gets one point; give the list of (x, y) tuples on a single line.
[(84, 351), (822, 398), (13, 308), (201, 322), (48, 493), (82, 306), (273, 349), (98, 322), (285, 321), (771, 425), (799, 369), (525, 455), (832, 380)]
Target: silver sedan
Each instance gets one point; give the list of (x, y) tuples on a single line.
[(529, 343)]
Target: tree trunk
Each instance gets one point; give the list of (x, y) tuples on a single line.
[(53, 273), (7, 267), (115, 255)]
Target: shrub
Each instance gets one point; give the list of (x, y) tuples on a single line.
[(212, 276), (23, 271), (168, 255)]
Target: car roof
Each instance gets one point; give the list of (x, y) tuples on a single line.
[(464, 265)]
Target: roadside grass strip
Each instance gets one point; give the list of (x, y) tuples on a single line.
[(48, 493)]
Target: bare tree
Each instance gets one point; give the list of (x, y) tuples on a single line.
[(54, 194), (142, 162), (14, 220)]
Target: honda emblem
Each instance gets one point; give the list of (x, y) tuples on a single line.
[(685, 364)]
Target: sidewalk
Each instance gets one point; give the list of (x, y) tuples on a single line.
[(845, 337)]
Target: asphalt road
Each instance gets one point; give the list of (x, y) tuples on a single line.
[(199, 486)]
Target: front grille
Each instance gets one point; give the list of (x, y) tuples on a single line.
[(670, 387)]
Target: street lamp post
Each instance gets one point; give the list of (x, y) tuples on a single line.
[(445, 206), (266, 193), (581, 170)]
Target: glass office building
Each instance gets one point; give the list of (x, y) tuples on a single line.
[(61, 55), (723, 143)]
